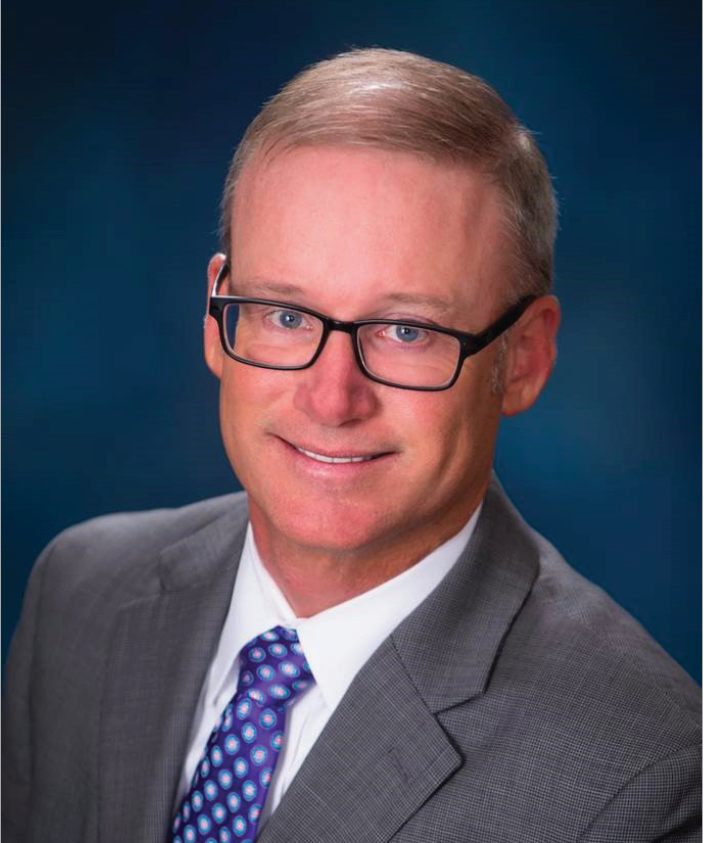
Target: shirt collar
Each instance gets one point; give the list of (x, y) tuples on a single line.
[(335, 641)]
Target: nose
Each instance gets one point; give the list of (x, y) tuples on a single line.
[(334, 391)]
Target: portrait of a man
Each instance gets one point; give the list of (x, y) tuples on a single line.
[(369, 642)]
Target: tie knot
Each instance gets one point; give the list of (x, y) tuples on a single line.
[(273, 668)]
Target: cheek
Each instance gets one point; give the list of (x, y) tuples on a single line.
[(242, 407), (247, 392), (432, 425), (457, 425), (233, 398)]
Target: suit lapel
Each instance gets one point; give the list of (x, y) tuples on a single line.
[(161, 649), (383, 753), (379, 758), (449, 645)]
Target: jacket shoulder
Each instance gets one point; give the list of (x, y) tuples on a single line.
[(118, 554), (585, 722), (588, 629), (611, 705)]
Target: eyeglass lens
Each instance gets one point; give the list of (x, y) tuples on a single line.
[(277, 336)]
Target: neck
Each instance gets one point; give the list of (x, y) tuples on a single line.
[(313, 579)]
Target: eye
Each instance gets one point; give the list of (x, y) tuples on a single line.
[(290, 319), (406, 334)]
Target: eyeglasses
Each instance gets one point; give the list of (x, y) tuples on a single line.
[(395, 352)]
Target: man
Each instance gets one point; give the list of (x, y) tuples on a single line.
[(369, 644)]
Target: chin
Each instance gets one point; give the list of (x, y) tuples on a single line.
[(332, 526)]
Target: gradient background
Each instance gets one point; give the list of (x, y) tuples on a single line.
[(119, 124)]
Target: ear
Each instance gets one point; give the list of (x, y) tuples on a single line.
[(531, 355), (213, 350)]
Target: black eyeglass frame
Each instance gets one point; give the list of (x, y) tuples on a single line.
[(469, 344)]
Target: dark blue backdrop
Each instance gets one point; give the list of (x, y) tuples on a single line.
[(119, 123)]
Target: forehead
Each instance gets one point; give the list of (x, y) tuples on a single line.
[(351, 223)]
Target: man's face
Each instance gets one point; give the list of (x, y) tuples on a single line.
[(357, 234)]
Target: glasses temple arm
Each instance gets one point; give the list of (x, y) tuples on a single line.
[(219, 277), (507, 320)]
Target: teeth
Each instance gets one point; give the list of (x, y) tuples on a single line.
[(322, 458)]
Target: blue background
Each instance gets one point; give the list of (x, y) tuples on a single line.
[(120, 120)]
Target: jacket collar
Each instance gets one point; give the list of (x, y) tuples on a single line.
[(207, 554), (449, 644)]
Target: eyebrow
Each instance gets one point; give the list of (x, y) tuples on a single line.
[(438, 304), (264, 287)]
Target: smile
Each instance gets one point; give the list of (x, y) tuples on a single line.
[(322, 458)]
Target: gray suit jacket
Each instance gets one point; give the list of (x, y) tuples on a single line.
[(517, 703)]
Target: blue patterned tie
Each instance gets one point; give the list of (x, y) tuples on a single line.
[(231, 780)]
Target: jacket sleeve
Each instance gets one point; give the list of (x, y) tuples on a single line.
[(17, 743), (661, 803)]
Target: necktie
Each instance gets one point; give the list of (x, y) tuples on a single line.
[(229, 786)]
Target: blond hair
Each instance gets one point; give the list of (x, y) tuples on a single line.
[(395, 100)]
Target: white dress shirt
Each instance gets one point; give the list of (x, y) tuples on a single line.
[(335, 642)]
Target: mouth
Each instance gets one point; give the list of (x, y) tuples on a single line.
[(339, 457), (337, 460)]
